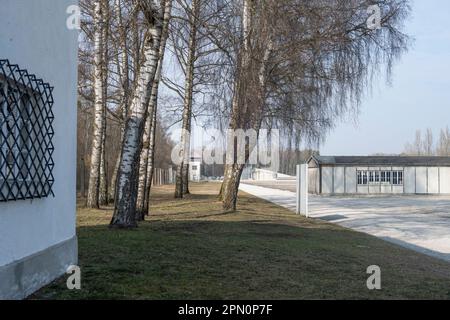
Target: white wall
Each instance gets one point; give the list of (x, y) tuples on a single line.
[(409, 180), (433, 180), (33, 34), (195, 175), (421, 180), (313, 180), (444, 180), (327, 180), (350, 180), (339, 180)]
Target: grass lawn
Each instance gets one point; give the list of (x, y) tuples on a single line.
[(189, 249)]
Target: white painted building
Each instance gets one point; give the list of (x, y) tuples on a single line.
[(379, 175), (195, 169), (38, 99)]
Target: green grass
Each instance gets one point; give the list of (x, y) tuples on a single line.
[(190, 249)]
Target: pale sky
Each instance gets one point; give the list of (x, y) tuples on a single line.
[(419, 97)]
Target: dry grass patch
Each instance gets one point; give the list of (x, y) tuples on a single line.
[(190, 249)]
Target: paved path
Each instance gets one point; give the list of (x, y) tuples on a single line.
[(421, 223)]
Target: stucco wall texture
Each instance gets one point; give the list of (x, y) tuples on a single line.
[(34, 35)]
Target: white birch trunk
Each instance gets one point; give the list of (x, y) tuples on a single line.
[(127, 179), (103, 187), (182, 180), (124, 74), (94, 177), (144, 184), (151, 163), (233, 172)]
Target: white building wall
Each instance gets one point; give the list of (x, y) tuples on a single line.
[(444, 173), (339, 180), (397, 190), (409, 180), (433, 180), (350, 180), (195, 169), (33, 34), (313, 180), (327, 180), (421, 180), (375, 189)]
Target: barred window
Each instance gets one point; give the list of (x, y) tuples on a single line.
[(26, 133)]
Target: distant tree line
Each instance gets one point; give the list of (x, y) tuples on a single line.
[(425, 144)]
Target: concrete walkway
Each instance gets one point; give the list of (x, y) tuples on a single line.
[(420, 223)]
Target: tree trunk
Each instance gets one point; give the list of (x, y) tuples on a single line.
[(83, 179), (179, 181), (151, 166), (231, 186), (123, 66), (112, 188), (128, 174), (143, 161), (186, 176), (94, 177), (249, 91), (103, 187), (85, 151), (146, 157), (112, 191), (182, 182), (186, 179)]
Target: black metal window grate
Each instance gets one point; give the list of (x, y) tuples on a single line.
[(26, 134)]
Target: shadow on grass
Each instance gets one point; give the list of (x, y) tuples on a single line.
[(190, 249), (245, 260)]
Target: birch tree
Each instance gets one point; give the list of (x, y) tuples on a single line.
[(127, 179), (312, 76), (122, 48), (249, 92), (103, 184), (182, 172), (147, 152), (197, 60), (99, 91)]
